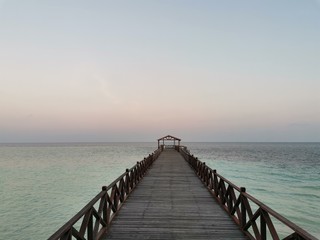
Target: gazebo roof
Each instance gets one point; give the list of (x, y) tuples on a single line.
[(169, 138)]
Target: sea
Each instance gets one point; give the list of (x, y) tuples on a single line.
[(43, 185)]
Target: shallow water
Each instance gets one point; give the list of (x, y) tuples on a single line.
[(284, 176), (43, 185)]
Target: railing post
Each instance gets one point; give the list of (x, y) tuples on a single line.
[(132, 178), (203, 173), (90, 227), (197, 164), (263, 230), (243, 208), (215, 182), (105, 208), (127, 182), (67, 235), (138, 171), (144, 165), (229, 199), (211, 180)]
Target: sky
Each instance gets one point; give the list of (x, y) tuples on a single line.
[(100, 71)]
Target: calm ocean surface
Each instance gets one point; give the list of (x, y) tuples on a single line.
[(43, 185)]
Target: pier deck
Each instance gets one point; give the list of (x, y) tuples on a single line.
[(172, 203)]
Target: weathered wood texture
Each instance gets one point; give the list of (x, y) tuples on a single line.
[(172, 203)]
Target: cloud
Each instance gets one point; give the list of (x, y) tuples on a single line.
[(106, 88)]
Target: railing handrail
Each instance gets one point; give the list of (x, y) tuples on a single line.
[(281, 218), (79, 215), (231, 204), (95, 223), (109, 204)]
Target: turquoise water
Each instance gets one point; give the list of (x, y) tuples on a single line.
[(43, 185), (284, 176)]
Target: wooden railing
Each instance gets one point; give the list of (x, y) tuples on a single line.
[(255, 219), (93, 221)]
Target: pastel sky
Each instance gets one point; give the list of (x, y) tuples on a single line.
[(75, 70)]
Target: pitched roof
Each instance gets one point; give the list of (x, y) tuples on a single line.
[(169, 137)]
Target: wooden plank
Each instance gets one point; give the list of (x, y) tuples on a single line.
[(172, 203)]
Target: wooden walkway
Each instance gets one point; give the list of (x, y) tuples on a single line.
[(172, 203)]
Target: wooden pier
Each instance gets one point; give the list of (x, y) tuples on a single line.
[(172, 203), (172, 195)]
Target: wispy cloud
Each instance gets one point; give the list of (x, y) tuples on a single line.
[(106, 88)]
